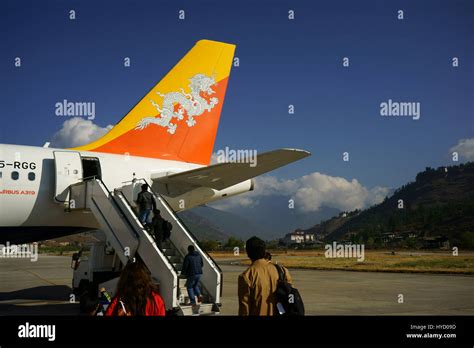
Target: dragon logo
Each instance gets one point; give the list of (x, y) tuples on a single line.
[(191, 103)]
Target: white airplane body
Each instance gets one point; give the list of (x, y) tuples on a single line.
[(30, 212), (166, 139)]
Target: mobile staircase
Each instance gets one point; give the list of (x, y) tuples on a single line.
[(127, 237)]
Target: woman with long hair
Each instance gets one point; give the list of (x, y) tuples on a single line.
[(136, 294)]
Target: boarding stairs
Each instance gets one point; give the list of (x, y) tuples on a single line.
[(114, 211)]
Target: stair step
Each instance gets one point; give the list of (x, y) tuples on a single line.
[(183, 297), (174, 259), (169, 252), (201, 309)]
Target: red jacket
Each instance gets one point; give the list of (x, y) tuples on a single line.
[(157, 310)]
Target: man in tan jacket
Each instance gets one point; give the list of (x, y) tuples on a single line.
[(258, 283)]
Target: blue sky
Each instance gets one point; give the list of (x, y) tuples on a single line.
[(282, 62)]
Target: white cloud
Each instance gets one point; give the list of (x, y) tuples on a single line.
[(242, 200), (338, 193), (77, 131), (465, 149), (311, 192)]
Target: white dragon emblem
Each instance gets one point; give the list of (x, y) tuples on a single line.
[(192, 103)]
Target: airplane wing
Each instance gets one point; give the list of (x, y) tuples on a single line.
[(222, 175)]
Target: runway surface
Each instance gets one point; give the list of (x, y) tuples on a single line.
[(44, 288)]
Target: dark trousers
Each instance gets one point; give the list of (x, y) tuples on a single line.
[(159, 239), (192, 285)]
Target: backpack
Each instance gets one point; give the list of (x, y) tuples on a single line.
[(167, 227), (289, 301)]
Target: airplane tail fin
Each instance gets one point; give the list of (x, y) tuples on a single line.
[(178, 118)]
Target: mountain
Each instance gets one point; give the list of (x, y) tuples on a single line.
[(234, 224), (440, 202), (272, 214), (202, 227), (208, 223)]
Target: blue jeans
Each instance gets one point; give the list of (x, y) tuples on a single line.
[(193, 288), (145, 216)]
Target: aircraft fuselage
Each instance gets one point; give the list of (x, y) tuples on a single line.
[(28, 209)]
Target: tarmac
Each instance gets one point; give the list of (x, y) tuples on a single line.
[(44, 288)]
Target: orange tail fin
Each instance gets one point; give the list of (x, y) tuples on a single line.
[(178, 118)]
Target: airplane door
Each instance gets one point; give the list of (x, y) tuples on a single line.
[(68, 167)]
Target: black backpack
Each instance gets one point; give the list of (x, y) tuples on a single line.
[(288, 298), (167, 227)]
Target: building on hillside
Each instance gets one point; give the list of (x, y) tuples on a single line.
[(298, 238), (436, 242), (409, 234), (388, 237)]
